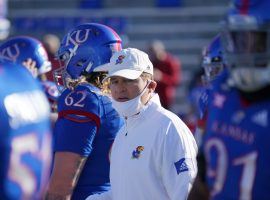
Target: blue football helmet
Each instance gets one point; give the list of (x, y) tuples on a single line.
[(84, 48), (19, 49), (246, 44), (212, 62)]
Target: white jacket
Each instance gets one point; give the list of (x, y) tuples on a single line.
[(164, 164)]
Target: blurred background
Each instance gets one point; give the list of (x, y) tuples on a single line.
[(182, 26)]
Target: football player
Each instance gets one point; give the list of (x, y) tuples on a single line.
[(237, 136), (25, 134), (87, 123), (30, 53), (213, 65)]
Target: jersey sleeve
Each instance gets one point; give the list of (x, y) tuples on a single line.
[(179, 166), (78, 122), (74, 137)]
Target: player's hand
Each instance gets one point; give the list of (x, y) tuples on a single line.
[(31, 66)]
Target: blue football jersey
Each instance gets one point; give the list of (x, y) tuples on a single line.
[(236, 145), (25, 143), (203, 99), (51, 92), (87, 125)]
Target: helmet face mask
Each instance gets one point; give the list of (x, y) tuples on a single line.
[(83, 49), (211, 71), (61, 76), (246, 42), (212, 60)]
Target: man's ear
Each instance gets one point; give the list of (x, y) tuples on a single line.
[(152, 86)]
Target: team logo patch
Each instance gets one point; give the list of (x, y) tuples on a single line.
[(137, 153), (261, 118), (181, 166), (119, 59)]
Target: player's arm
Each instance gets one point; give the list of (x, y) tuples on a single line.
[(74, 133), (66, 172), (72, 146), (199, 189)]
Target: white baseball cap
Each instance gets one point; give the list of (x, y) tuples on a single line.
[(129, 63)]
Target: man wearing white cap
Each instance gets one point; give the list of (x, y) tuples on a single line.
[(154, 154)]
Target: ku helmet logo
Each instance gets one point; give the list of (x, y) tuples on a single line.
[(137, 153), (77, 37), (119, 59), (11, 53)]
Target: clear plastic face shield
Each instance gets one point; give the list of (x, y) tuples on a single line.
[(246, 51), (62, 79)]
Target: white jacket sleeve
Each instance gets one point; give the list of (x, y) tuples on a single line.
[(103, 196), (179, 167)]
